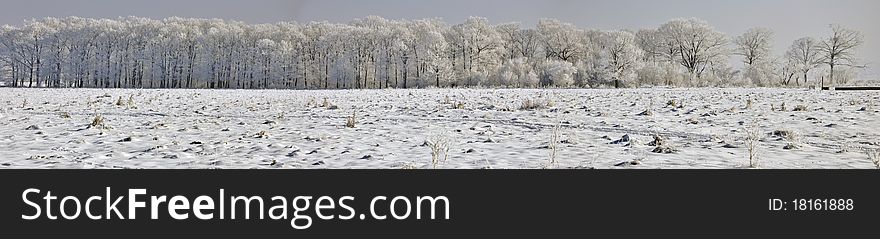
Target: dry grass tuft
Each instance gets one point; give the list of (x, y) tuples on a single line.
[(439, 145), (458, 106), (351, 121), (531, 104), (120, 102), (130, 102), (874, 156), (98, 122), (752, 141), (554, 141)]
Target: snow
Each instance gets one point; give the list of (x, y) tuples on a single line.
[(486, 128)]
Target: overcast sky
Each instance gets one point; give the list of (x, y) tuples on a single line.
[(790, 19)]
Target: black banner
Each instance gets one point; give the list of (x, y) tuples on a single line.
[(496, 203)]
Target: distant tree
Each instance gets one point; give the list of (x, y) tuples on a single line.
[(624, 57), (518, 42), (477, 49), (789, 71), (373, 52), (804, 54), (561, 41), (754, 45), (697, 44), (7, 54), (431, 48), (839, 49), (649, 41)]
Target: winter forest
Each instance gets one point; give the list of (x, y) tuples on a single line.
[(135, 93), (380, 53)]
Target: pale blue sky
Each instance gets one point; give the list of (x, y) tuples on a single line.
[(790, 19)]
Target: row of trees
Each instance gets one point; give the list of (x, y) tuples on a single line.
[(377, 53), (802, 57)]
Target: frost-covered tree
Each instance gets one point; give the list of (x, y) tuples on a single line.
[(11, 63), (804, 55), (754, 45), (431, 48), (519, 42), (698, 45), (476, 49), (649, 41), (789, 71), (374, 52), (624, 56), (405, 51), (26, 47), (382, 60), (839, 49), (561, 41), (657, 46)]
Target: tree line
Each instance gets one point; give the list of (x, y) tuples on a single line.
[(374, 52)]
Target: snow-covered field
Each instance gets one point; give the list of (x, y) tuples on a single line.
[(486, 128)]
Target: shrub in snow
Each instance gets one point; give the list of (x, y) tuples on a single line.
[(661, 74), (532, 104), (760, 74), (592, 71), (558, 73), (517, 72), (753, 138)]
